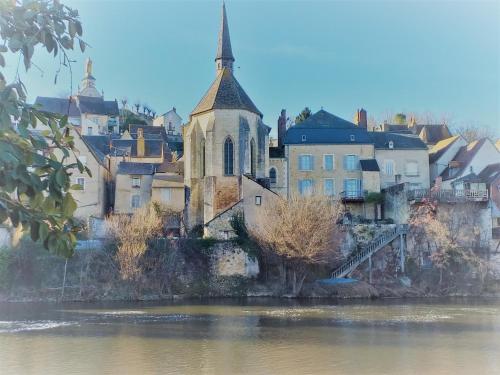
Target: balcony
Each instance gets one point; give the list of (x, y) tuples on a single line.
[(450, 196), (352, 196)]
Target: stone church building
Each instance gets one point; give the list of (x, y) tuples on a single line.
[(226, 144)]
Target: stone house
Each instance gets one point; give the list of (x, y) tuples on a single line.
[(442, 153), (402, 158), (323, 155), (171, 121), (471, 158), (92, 199), (133, 186)]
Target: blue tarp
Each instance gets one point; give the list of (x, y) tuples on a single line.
[(336, 281)]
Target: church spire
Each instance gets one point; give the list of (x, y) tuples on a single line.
[(224, 58)]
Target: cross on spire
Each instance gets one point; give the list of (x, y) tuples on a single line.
[(224, 57)]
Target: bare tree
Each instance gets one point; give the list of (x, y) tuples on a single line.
[(474, 132), (303, 232), (124, 102), (131, 235), (137, 105)]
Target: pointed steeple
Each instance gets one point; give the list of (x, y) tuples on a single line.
[(224, 58)]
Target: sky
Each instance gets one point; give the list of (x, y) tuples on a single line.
[(438, 57)]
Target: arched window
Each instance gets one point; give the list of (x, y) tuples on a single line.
[(252, 158), (272, 175), (228, 157)]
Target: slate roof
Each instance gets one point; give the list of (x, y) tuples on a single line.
[(325, 128), (136, 168), (441, 147), (369, 165), (464, 156), (490, 173), (61, 106), (276, 152), (432, 134), (110, 145), (170, 177), (149, 131), (400, 141), (153, 147), (76, 105), (225, 93), (224, 50)]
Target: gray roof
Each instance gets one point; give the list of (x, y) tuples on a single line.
[(490, 173), (325, 128), (61, 106), (224, 50), (400, 141), (471, 177), (109, 145), (225, 93), (136, 168), (369, 165), (149, 131), (82, 104), (464, 156)]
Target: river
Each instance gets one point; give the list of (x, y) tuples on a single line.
[(252, 337)]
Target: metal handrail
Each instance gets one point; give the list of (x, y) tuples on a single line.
[(360, 256)]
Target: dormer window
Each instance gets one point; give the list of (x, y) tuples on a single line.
[(391, 145), (353, 138), (304, 138)]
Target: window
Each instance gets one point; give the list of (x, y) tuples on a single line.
[(328, 162), (89, 130), (83, 159), (136, 201), (353, 138), (252, 158), (136, 182), (272, 175), (351, 162), (304, 138), (411, 168), (389, 167), (391, 144), (258, 200), (306, 162), (228, 157), (305, 187), (352, 187), (166, 194), (81, 181), (329, 187)]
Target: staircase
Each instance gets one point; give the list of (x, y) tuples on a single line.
[(375, 245)]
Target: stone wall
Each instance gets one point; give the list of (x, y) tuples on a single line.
[(228, 259), (220, 227)]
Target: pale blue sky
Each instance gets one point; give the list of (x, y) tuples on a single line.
[(386, 56)]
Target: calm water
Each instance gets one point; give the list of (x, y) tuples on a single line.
[(252, 337)]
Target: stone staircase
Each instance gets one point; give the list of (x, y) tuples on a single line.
[(358, 257)]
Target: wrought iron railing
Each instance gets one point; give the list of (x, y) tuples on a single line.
[(448, 195)]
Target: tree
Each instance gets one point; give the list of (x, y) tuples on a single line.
[(124, 103), (473, 133), (400, 119), (449, 233), (35, 185), (304, 114), (302, 232), (131, 234), (137, 105)]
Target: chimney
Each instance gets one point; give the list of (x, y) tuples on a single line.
[(141, 144), (361, 118), (281, 128)]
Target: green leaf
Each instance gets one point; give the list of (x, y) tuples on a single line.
[(76, 187), (69, 205), (35, 230)]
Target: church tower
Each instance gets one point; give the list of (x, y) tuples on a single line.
[(88, 82), (224, 141)]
